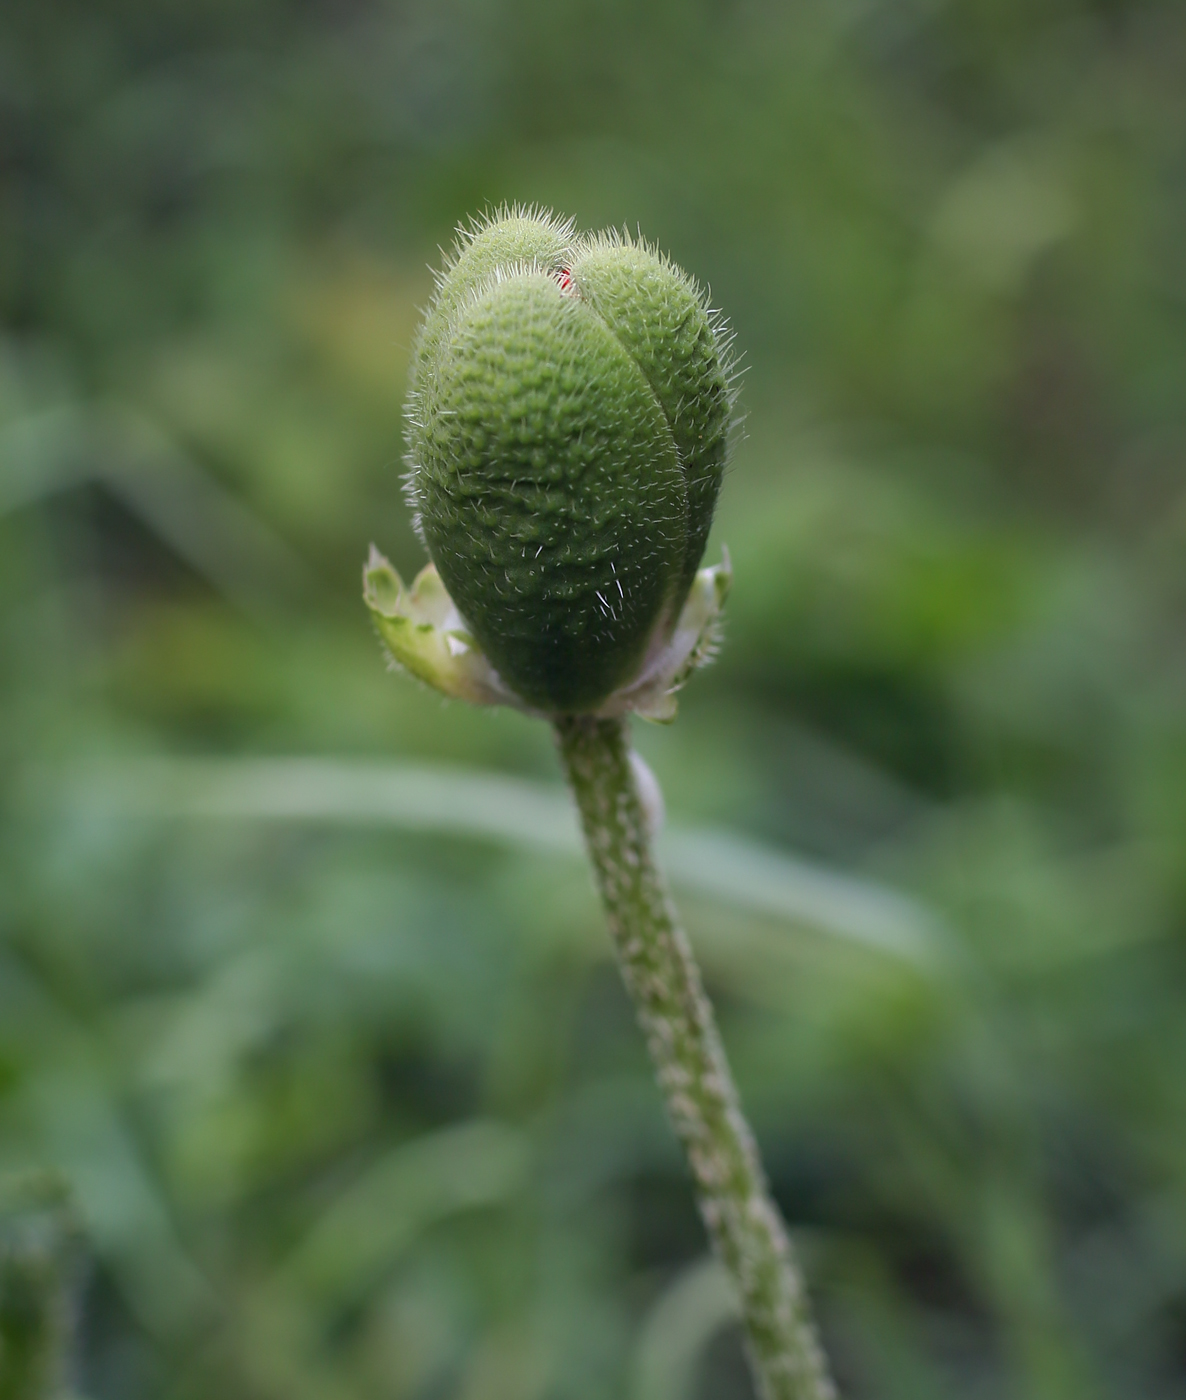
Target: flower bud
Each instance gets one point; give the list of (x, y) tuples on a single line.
[(569, 419)]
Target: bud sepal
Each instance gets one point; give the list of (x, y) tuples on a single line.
[(424, 634)]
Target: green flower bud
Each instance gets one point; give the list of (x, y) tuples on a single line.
[(569, 419)]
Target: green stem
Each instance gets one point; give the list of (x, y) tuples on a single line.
[(663, 980), (38, 1282)]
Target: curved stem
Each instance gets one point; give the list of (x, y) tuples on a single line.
[(663, 980)]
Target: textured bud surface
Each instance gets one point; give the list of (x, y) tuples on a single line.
[(660, 319), (568, 425), (519, 239)]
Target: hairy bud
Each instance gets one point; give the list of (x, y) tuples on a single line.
[(568, 425)]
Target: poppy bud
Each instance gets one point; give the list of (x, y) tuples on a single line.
[(568, 419)]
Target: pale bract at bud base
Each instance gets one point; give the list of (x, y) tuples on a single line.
[(569, 420)]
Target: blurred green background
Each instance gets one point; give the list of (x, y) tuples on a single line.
[(330, 1056)]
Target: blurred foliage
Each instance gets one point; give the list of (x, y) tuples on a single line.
[(352, 1109)]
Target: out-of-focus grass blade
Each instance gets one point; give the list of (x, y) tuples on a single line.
[(700, 1301), (80, 1136), (202, 522), (728, 868), (746, 873), (478, 1163), (118, 1205), (341, 791)]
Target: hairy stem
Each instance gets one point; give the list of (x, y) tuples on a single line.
[(663, 980)]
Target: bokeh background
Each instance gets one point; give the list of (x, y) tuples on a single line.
[(305, 999)]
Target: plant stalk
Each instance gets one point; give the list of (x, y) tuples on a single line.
[(39, 1285), (664, 983)]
